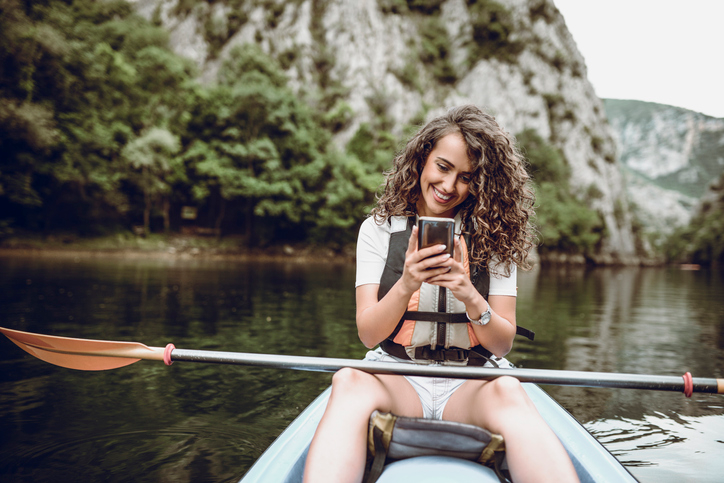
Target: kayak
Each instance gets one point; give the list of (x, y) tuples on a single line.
[(283, 461)]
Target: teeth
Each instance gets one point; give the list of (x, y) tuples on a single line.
[(444, 197)]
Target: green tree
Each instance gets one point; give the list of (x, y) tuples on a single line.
[(29, 52), (252, 141), (702, 241), (78, 80), (493, 25), (151, 159), (565, 224)]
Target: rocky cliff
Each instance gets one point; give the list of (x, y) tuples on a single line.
[(408, 61), (669, 156)]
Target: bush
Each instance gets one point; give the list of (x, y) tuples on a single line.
[(436, 49), (565, 224), (546, 162), (492, 26), (702, 241)]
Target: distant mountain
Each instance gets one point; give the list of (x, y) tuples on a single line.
[(675, 148), (669, 155)]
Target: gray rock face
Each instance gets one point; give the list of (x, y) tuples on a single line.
[(670, 155), (374, 54)]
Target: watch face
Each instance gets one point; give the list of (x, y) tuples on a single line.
[(485, 318)]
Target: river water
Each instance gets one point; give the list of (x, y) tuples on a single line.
[(209, 423)]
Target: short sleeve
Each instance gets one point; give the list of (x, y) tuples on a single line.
[(372, 244), (501, 285)]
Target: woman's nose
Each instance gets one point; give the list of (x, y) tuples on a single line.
[(448, 183)]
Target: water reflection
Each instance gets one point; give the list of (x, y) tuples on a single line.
[(196, 422), (646, 321)]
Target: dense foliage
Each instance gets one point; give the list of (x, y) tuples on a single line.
[(78, 83), (104, 130), (565, 224), (702, 241)]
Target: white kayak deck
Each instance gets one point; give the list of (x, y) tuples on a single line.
[(284, 460)]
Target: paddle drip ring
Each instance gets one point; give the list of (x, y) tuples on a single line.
[(167, 354), (688, 384)]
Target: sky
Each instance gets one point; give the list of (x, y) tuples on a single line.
[(665, 51)]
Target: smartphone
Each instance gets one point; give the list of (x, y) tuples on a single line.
[(436, 231)]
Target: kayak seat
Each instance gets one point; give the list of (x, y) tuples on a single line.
[(396, 438), (437, 469)]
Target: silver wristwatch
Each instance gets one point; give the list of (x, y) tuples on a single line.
[(484, 317)]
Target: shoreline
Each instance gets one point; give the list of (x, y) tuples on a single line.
[(285, 253), (184, 247), (275, 254)]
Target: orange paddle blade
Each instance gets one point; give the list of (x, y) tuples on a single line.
[(82, 354)]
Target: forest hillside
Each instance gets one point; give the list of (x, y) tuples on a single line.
[(270, 122)]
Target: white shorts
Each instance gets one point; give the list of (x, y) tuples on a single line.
[(434, 392)]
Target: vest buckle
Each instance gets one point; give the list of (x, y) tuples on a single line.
[(440, 355)]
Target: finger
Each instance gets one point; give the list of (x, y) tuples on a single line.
[(458, 250), (436, 260), (438, 275), (431, 252), (412, 242)]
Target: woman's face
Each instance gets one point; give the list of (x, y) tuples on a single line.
[(445, 178)]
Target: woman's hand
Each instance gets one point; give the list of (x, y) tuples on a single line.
[(455, 278), (423, 265), (377, 318)]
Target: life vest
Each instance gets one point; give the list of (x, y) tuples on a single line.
[(435, 326)]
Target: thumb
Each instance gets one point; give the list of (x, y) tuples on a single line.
[(412, 243), (458, 252)]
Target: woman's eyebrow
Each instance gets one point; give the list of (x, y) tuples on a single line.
[(449, 163)]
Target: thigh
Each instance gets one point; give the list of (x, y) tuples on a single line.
[(491, 405), (403, 399), (467, 406), (355, 392), (400, 397)]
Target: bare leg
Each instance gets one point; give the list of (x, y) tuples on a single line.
[(501, 406), (339, 447)]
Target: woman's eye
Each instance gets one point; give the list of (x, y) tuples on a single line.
[(466, 178), (443, 168)]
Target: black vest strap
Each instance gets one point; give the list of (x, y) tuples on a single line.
[(477, 356), (436, 317), (391, 274)]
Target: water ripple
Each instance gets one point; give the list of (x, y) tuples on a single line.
[(665, 448)]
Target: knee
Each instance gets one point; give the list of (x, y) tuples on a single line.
[(507, 392), (352, 383)]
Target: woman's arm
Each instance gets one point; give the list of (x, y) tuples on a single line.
[(497, 335), (377, 319)]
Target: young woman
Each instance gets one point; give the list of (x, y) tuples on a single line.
[(464, 166)]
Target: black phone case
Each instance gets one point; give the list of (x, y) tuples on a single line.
[(436, 231)]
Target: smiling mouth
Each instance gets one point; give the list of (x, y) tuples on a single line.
[(440, 195)]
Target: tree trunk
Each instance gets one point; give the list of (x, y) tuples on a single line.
[(249, 222), (147, 204), (220, 217), (146, 214), (166, 209)]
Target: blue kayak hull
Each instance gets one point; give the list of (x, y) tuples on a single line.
[(284, 460)]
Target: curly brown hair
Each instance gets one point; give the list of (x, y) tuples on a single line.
[(496, 214)]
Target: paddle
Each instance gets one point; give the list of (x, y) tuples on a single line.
[(95, 355)]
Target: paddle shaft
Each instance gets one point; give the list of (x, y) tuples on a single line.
[(538, 376), (96, 355)]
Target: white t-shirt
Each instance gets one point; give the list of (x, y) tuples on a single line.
[(373, 244)]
